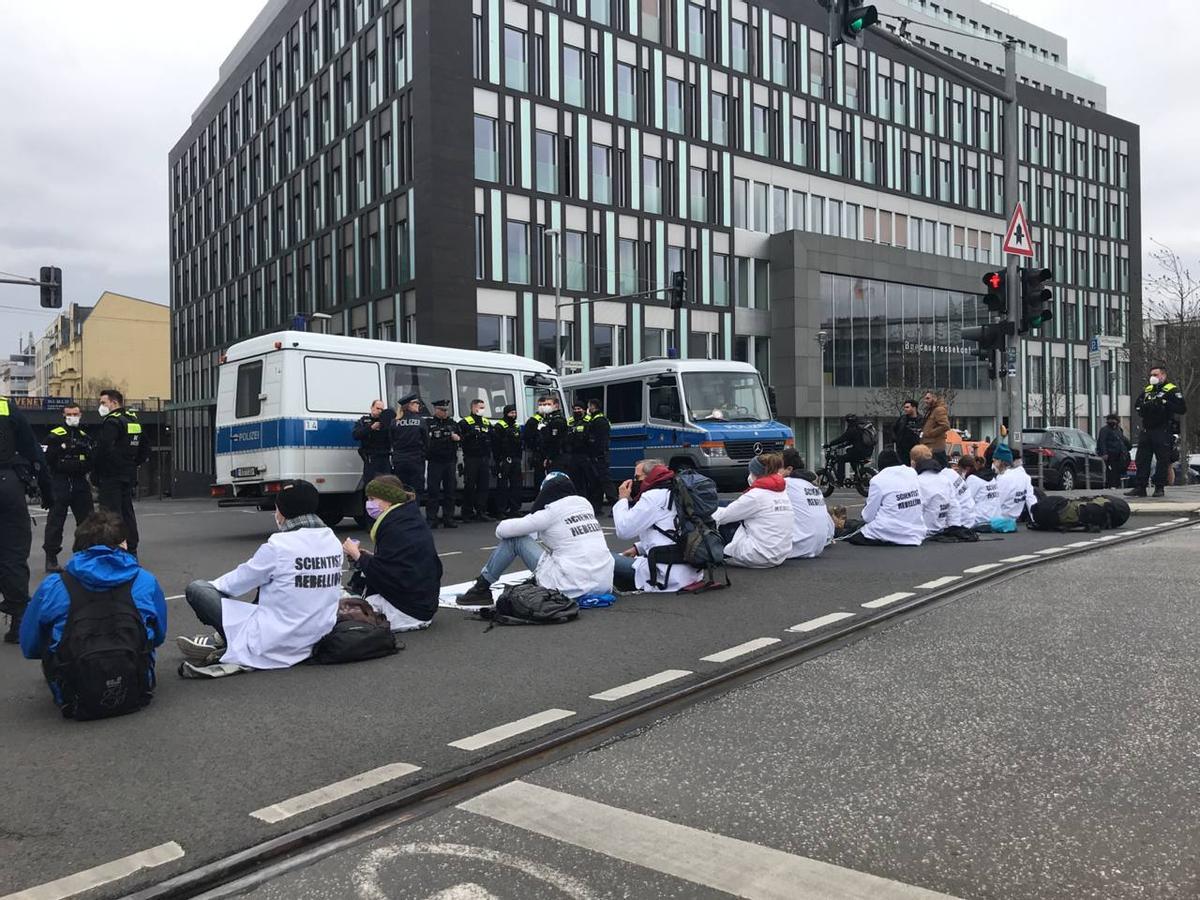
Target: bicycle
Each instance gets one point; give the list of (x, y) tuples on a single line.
[(859, 476)]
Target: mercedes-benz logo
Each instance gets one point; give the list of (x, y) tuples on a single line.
[(758, 448)]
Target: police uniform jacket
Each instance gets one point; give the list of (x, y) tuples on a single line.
[(408, 435), (441, 446), (599, 432), (68, 450), (476, 434), (577, 435), (551, 436), (507, 440), (1160, 406), (376, 442), (121, 448)]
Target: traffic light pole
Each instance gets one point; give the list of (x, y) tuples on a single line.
[(1016, 384)]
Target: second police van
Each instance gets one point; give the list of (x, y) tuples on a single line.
[(708, 415), (287, 403)]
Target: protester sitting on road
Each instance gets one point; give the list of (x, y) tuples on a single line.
[(1016, 487), (560, 540), (893, 511), (963, 468), (757, 526), (298, 574), (402, 576), (984, 491), (645, 514), (812, 526), (937, 497), (100, 564)]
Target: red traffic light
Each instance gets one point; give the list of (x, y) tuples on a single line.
[(993, 280)]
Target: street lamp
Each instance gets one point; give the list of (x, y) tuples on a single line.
[(822, 338), (558, 352)]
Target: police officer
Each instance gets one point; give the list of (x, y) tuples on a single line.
[(506, 450), (1160, 406), (442, 453), (476, 432), (68, 455), (576, 463), (119, 451), (548, 438), (408, 437), (372, 432), (599, 431), (19, 451)]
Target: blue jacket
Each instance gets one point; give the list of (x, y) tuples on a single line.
[(97, 568)]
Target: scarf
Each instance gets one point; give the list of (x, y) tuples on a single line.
[(769, 483), (660, 476), (307, 520)]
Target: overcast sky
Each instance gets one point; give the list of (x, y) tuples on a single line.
[(94, 94)]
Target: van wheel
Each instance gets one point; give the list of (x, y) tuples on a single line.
[(364, 522), (330, 517), (682, 464)]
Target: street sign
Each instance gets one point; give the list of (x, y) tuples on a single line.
[(1010, 369), (1017, 240), (1094, 352), (1108, 340)]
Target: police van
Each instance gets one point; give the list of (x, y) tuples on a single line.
[(709, 415), (287, 403)]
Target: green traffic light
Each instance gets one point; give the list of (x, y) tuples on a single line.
[(856, 25)]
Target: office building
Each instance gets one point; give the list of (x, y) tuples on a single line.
[(414, 169), (17, 372)]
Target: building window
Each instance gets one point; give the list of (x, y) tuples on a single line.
[(626, 93), (698, 194), (496, 333), (627, 266), (601, 174), (545, 341), (573, 256), (760, 133), (546, 150), (650, 19), (779, 204), (720, 279), (651, 184), (573, 76), (487, 160), (697, 45), (602, 11), (741, 189), (719, 118), (608, 347), (518, 252), (480, 246), (760, 207), (779, 70), (674, 106), (739, 47), (516, 69), (659, 342)]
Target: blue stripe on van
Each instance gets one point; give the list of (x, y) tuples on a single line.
[(274, 434)]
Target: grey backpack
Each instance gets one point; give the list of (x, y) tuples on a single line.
[(528, 603)]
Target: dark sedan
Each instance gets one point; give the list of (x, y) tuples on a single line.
[(1060, 458)]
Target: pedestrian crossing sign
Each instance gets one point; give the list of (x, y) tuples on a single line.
[(1017, 240)]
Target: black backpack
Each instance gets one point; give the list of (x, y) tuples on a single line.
[(528, 603), (868, 435), (355, 641), (696, 540), (102, 666)]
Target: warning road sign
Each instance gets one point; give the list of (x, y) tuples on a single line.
[(1016, 239)]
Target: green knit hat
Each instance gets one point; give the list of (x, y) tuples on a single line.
[(391, 489)]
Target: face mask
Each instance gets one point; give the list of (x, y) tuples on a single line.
[(545, 410), (73, 421), (103, 409), (1155, 380), (374, 510), (511, 418), (750, 480)]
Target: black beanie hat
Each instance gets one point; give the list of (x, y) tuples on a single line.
[(511, 407), (297, 498)]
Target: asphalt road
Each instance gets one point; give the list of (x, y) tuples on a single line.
[(193, 766), (1032, 741)]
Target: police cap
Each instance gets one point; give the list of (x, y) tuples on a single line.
[(409, 398), (441, 404)]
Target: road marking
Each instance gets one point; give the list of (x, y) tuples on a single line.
[(493, 547), (101, 875), (1107, 537), (642, 684), (739, 650), (821, 622), (175, 597), (1049, 550), (510, 729), (285, 809), (986, 567), (451, 553), (1178, 521), (941, 582), (1080, 544), (722, 863), (888, 599), (1020, 558)]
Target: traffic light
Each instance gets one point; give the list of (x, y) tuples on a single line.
[(1035, 299), (51, 286), (991, 338), (678, 293), (996, 298), (848, 21)]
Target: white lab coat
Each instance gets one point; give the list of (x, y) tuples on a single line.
[(962, 512), (985, 494), (299, 577), (578, 560), (937, 501), (1016, 492), (637, 523), (893, 510), (764, 538), (812, 528)]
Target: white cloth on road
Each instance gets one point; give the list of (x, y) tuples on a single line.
[(397, 621), (637, 523)]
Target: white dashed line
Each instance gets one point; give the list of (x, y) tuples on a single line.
[(821, 622), (986, 567), (175, 597), (739, 650), (1049, 550), (451, 553), (1022, 558), (940, 582), (1107, 537), (285, 809), (1079, 544), (888, 599), (511, 729), (642, 684), (101, 875), (493, 547)]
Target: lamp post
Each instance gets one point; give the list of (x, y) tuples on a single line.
[(822, 338), (558, 352)]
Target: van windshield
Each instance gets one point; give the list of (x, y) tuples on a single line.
[(725, 397)]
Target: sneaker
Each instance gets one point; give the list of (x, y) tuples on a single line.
[(479, 594), (1159, 492), (200, 648), (1136, 492)]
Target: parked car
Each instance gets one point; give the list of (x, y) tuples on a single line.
[(1060, 458), (1193, 465)]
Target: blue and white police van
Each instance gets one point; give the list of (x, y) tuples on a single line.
[(707, 414), (287, 403)]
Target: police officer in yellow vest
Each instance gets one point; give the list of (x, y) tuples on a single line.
[(122, 447), (1160, 406), (476, 431), (69, 456), (20, 453)]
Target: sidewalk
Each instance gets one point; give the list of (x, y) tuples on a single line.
[(1180, 500)]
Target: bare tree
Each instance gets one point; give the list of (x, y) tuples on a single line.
[(1170, 335)]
